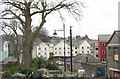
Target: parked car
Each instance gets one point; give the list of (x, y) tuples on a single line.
[(59, 62), (38, 74), (81, 70)]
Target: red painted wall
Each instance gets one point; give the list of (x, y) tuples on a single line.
[(101, 48)]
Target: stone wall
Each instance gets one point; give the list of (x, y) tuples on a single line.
[(90, 69)]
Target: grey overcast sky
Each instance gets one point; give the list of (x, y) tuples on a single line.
[(99, 17)]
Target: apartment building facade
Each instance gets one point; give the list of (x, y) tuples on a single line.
[(102, 42), (113, 54), (4, 48), (56, 49)]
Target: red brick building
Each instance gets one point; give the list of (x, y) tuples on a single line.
[(102, 42)]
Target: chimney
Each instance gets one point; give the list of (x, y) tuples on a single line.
[(86, 36), (77, 36)]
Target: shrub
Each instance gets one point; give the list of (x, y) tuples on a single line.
[(26, 70), (6, 74), (10, 71), (39, 62), (51, 66)]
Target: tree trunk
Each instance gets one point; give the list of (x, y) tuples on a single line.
[(17, 55), (17, 50), (27, 44), (27, 56)]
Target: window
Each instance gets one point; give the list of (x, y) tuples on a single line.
[(82, 47), (87, 47), (87, 51), (103, 44), (68, 52), (55, 48), (59, 52), (116, 57), (55, 52), (103, 51), (68, 48), (75, 51), (39, 53), (82, 51), (96, 48), (59, 48), (39, 48), (45, 53), (96, 55), (115, 54), (75, 47), (51, 54), (103, 59), (45, 48)]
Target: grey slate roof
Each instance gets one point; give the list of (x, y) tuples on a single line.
[(9, 59), (54, 43), (82, 58), (115, 41), (38, 40), (118, 33), (77, 43), (104, 37)]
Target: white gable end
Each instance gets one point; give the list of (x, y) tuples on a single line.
[(84, 47)]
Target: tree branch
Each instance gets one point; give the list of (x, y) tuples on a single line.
[(17, 17), (18, 6), (45, 10)]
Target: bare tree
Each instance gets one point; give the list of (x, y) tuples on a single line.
[(13, 37), (24, 10)]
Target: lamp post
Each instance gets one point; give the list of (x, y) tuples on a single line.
[(71, 47), (64, 44)]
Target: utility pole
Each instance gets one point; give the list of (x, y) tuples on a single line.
[(71, 47), (64, 47)]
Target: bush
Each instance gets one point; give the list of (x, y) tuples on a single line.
[(10, 71), (6, 74), (26, 70), (13, 69), (39, 62), (51, 66)]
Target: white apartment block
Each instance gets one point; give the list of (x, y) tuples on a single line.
[(41, 49), (59, 49), (82, 47), (56, 49), (94, 48)]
